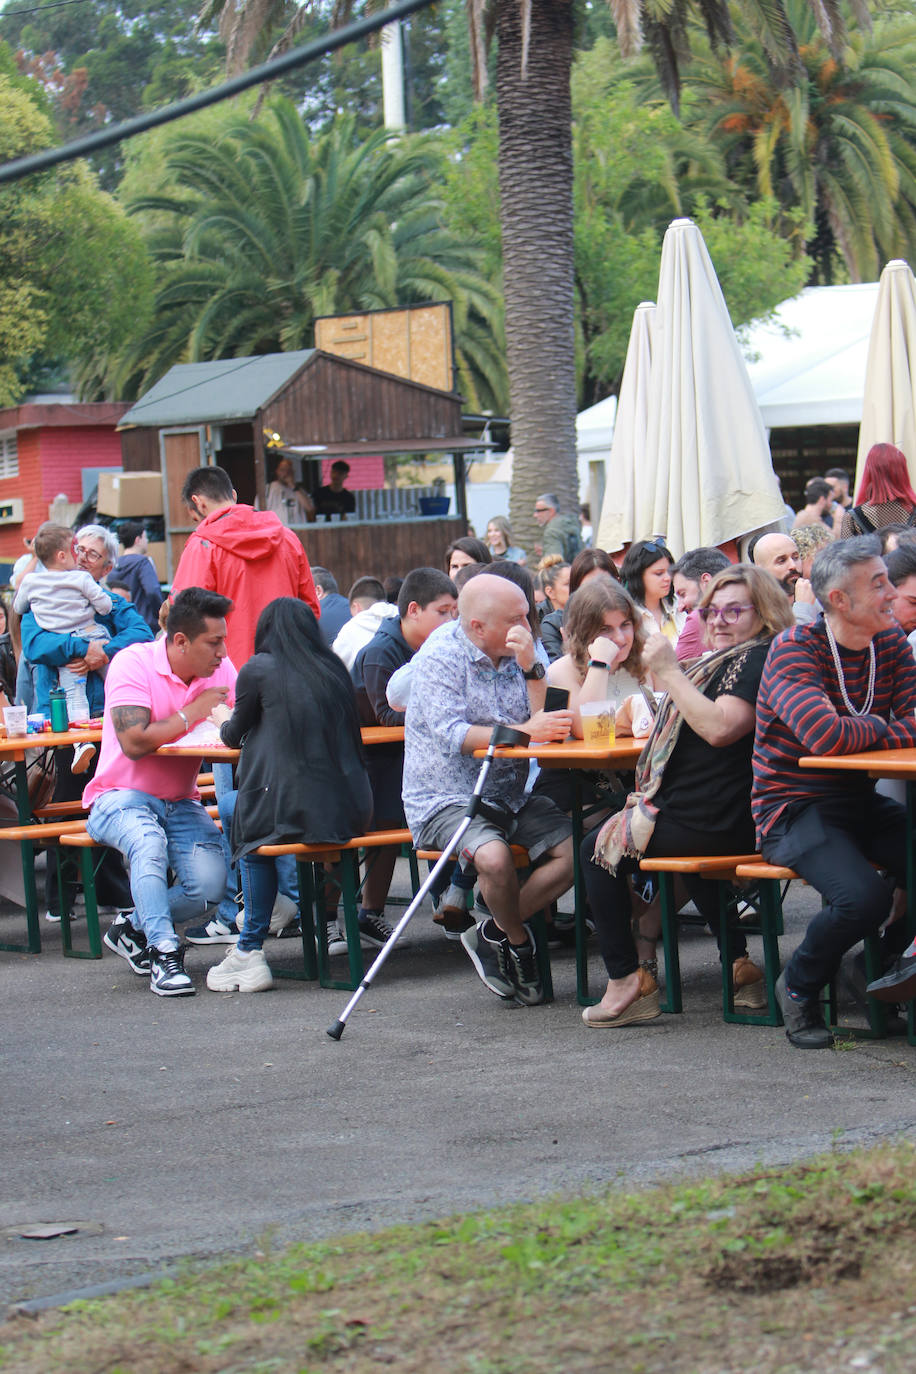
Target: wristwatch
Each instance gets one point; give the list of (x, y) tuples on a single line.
[(536, 673)]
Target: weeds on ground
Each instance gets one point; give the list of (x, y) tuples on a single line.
[(804, 1268)]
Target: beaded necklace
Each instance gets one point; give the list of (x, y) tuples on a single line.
[(870, 694)]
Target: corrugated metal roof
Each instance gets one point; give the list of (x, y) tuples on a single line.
[(228, 389)]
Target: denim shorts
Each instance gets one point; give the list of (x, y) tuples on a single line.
[(538, 826)]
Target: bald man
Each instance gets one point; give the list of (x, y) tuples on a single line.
[(475, 672), (777, 554)]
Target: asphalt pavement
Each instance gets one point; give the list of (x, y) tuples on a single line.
[(165, 1129)]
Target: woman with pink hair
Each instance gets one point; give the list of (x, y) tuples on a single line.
[(885, 495)]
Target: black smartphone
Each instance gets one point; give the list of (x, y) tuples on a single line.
[(557, 699)]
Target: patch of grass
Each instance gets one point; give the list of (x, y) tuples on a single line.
[(804, 1268)]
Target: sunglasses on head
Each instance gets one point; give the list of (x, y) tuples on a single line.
[(657, 546)]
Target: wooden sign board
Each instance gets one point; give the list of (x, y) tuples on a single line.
[(413, 342)]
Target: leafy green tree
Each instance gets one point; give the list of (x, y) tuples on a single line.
[(636, 168), (101, 61), (840, 147), (74, 276), (260, 227)]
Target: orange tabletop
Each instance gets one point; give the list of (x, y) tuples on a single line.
[(880, 763), (14, 747), (382, 734), (219, 753), (575, 753)]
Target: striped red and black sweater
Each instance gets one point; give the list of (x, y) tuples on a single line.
[(800, 711)]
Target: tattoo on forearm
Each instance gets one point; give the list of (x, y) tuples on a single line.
[(123, 717)]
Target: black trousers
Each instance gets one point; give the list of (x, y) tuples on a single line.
[(833, 845), (609, 893), (111, 884)]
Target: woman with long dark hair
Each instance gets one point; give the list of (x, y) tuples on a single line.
[(885, 495), (646, 574), (301, 776)]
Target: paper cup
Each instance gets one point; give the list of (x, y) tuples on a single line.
[(16, 720)]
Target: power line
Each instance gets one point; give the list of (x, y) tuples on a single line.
[(267, 71), (37, 9)]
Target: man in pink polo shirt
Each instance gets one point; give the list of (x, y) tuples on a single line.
[(147, 805)]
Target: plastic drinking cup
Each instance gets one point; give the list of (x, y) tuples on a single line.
[(597, 723)]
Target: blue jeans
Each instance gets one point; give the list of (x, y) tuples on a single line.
[(259, 886), (155, 836), (287, 881)]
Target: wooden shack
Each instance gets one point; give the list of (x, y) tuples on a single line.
[(310, 405)]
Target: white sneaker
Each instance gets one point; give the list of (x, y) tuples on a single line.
[(285, 911), (83, 754), (241, 971)]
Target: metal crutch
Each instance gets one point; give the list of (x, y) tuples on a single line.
[(503, 736)]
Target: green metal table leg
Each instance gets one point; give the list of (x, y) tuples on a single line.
[(308, 972), (542, 953), (27, 856), (673, 1001), (582, 993)]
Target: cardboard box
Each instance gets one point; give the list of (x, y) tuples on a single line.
[(157, 554), (129, 494)]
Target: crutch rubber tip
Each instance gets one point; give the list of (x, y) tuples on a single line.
[(337, 1030)]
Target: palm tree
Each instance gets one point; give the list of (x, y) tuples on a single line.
[(838, 146), (535, 44), (262, 228), (535, 50)]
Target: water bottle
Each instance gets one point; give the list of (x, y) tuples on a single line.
[(77, 701), (58, 710)]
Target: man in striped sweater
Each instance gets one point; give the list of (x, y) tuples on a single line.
[(832, 687)]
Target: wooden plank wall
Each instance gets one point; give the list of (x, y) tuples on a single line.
[(380, 550), (352, 551)]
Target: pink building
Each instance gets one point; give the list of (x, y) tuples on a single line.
[(44, 448)]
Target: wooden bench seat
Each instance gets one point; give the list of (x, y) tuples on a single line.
[(310, 859), (724, 869)]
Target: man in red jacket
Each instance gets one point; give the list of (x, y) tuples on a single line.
[(248, 555)]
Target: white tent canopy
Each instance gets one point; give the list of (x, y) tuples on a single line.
[(595, 428), (807, 364)]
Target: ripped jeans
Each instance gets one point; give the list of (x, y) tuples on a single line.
[(155, 836)]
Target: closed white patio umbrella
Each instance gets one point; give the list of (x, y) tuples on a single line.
[(707, 476), (626, 480), (889, 403)]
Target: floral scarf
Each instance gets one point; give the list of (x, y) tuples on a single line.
[(628, 832)]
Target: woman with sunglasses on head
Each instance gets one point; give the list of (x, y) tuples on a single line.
[(646, 574), (693, 789)]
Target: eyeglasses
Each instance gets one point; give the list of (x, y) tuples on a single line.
[(90, 555), (729, 615)]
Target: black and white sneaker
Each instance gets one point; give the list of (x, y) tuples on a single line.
[(374, 930), (167, 977), (337, 943), (123, 938), (523, 970), (215, 932), (489, 953)]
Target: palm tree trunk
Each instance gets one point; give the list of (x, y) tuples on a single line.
[(536, 196)]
